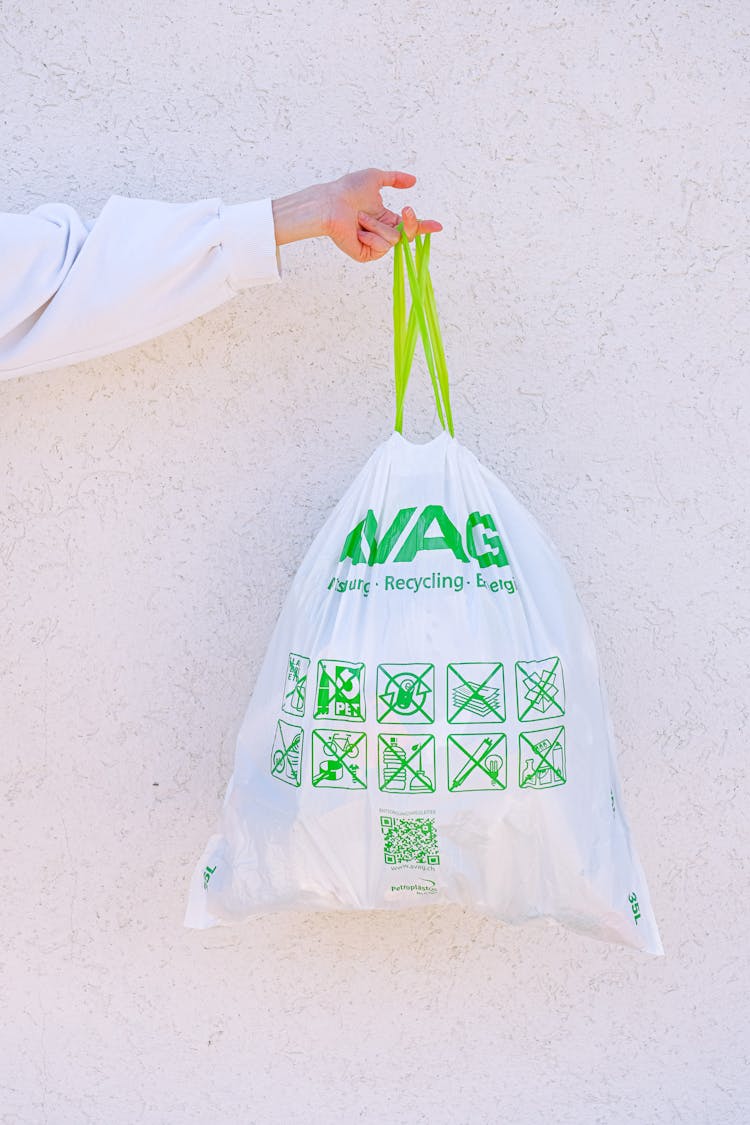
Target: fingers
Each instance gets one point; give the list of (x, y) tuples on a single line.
[(386, 232), (379, 236), (373, 246), (414, 226), (391, 217), (379, 233), (411, 225)]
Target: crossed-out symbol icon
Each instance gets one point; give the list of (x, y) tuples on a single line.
[(540, 689), (340, 691), (406, 691), (397, 769), (286, 753), (476, 693), (333, 754), (477, 761), (541, 758), (295, 686)]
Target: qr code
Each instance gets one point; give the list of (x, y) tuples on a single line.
[(409, 839)]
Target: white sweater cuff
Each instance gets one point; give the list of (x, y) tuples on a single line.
[(248, 239)]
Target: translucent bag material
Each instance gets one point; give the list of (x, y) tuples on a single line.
[(429, 724)]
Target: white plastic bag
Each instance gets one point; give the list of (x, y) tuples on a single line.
[(428, 725)]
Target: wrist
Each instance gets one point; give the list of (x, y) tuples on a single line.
[(300, 215)]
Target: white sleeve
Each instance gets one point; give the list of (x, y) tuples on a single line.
[(72, 289)]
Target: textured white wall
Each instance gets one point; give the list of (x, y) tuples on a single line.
[(589, 164)]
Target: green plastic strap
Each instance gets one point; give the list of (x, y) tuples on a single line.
[(437, 343), (404, 336), (416, 285), (399, 332), (423, 317)]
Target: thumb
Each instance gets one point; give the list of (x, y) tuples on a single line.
[(397, 179)]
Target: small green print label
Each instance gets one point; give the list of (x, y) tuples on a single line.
[(633, 900)]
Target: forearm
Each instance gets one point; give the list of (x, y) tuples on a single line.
[(300, 215)]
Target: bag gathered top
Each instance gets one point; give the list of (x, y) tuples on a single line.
[(429, 725)]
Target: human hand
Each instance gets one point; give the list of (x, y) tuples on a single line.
[(358, 222), (351, 213)]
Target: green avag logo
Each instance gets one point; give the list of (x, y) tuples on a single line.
[(431, 530)]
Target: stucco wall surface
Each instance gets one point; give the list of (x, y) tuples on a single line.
[(589, 164)]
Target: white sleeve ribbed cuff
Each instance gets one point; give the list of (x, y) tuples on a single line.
[(248, 239)]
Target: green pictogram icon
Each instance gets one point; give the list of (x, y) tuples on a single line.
[(406, 763), (286, 755), (540, 690), (476, 693), (295, 685), (541, 758), (339, 759), (406, 693), (477, 761), (340, 693)]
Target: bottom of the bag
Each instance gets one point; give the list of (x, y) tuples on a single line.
[(199, 917)]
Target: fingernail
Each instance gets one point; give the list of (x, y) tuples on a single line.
[(408, 211)]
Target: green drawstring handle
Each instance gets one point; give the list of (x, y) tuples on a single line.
[(422, 316)]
